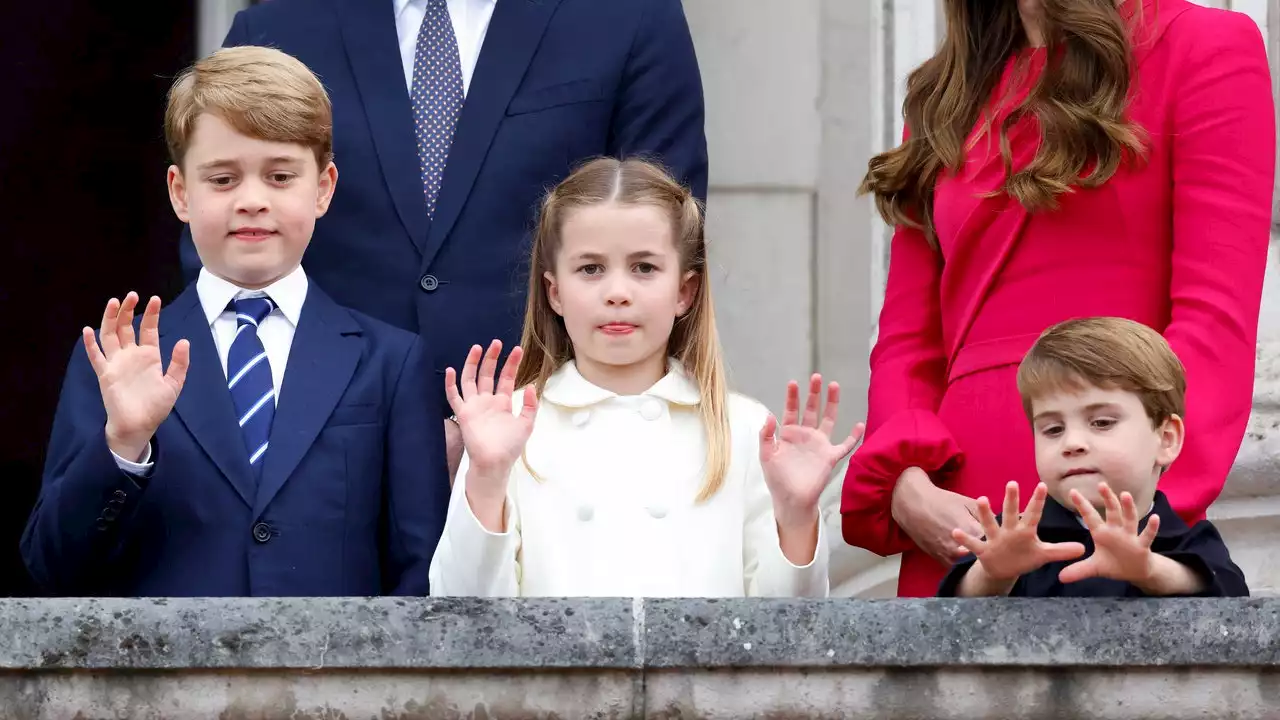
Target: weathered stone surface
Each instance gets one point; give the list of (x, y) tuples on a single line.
[(955, 693), (403, 659), (619, 634), (316, 633), (322, 695), (935, 632)]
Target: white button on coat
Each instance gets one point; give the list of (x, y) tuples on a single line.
[(651, 409)]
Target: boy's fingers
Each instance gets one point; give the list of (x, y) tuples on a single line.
[(1035, 507), (1075, 572), (968, 542), (987, 519), (96, 358), (107, 329), (1060, 552), (1148, 535), (178, 364), (1089, 514), (149, 330), (124, 327), (1010, 511)]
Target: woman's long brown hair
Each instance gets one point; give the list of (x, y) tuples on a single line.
[(1079, 100), (694, 340)]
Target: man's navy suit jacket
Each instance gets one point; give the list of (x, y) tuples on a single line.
[(557, 82)]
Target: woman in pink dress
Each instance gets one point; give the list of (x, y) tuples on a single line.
[(1064, 158)]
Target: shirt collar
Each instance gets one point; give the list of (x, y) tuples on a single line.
[(400, 5), (288, 293), (567, 388)]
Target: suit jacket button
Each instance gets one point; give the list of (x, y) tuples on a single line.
[(119, 495), (262, 532), (429, 283)]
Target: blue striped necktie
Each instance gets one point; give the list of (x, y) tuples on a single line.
[(436, 94), (249, 378)]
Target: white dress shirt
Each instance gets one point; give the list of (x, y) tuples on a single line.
[(613, 513), (275, 331), (470, 23)]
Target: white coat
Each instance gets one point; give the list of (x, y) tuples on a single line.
[(612, 511)]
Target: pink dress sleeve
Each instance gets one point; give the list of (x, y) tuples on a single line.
[(1223, 177), (908, 366)]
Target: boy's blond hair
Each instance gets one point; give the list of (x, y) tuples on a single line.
[(260, 92), (1110, 353)]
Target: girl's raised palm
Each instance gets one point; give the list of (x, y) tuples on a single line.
[(799, 457), (492, 433)]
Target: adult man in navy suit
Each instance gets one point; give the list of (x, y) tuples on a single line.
[(452, 118)]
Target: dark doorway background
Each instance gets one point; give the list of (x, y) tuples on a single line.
[(84, 214)]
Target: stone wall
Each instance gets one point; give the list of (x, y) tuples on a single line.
[(401, 659)]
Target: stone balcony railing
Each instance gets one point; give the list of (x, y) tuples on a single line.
[(630, 658)]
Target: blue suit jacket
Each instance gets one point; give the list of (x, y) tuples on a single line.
[(557, 82), (352, 498)]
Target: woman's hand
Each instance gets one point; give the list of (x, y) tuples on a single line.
[(929, 515)]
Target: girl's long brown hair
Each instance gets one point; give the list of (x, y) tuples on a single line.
[(1079, 100), (694, 341)]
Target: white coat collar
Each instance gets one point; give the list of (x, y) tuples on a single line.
[(567, 388)]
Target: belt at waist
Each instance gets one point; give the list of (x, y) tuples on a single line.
[(975, 357)]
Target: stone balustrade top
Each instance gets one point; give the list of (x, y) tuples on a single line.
[(468, 633)]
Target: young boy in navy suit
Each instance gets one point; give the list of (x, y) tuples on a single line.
[(289, 446), (1105, 397)]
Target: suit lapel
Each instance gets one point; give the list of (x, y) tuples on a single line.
[(513, 35), (204, 405), (369, 35), (325, 351)]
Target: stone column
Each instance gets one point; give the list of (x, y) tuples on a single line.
[(791, 122), (213, 20)]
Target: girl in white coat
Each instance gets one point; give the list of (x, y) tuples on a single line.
[(622, 466)]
